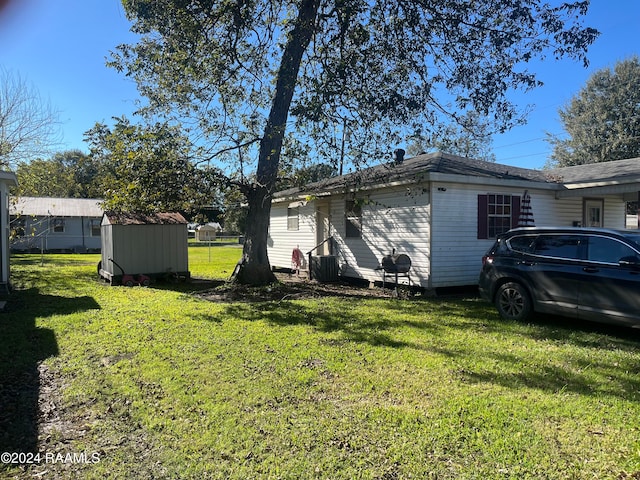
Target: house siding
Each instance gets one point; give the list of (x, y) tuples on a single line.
[(40, 235), (434, 220), (393, 219), (281, 242)]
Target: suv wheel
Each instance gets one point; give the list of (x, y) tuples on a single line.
[(513, 302)]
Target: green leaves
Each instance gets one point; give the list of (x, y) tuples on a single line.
[(147, 169), (603, 119)]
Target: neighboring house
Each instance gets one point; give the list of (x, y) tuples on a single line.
[(55, 224), (441, 210)]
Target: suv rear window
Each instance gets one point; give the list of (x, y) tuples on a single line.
[(523, 243), (558, 246)]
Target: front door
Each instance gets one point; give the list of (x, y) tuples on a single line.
[(322, 227), (593, 212)]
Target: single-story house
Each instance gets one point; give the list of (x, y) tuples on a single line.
[(55, 224), (443, 211)]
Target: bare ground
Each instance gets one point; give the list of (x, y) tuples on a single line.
[(293, 287)]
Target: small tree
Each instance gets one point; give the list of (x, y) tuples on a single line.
[(602, 120), (148, 169), (28, 125)]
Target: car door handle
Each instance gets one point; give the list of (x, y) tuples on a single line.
[(527, 263), (591, 269)]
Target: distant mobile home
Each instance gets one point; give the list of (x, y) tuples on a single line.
[(153, 245), (55, 224), (443, 211)]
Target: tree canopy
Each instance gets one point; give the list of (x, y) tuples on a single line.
[(602, 121), (148, 169), (238, 74), (72, 174), (468, 137)]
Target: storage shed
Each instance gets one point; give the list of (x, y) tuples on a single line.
[(136, 244), (206, 233)]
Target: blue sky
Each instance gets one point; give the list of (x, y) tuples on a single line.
[(60, 47)]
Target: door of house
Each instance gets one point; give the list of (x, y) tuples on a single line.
[(322, 227), (593, 212)]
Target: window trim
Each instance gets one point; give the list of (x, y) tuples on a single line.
[(55, 223), (97, 225), (293, 219), (483, 213), (353, 222)]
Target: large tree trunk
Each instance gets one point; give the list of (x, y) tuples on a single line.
[(254, 267)]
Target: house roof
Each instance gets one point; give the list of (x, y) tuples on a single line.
[(618, 172), (56, 207), (119, 218), (425, 164)]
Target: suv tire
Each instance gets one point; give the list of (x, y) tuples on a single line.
[(513, 302)]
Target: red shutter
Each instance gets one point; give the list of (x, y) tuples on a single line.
[(515, 210), (483, 227)]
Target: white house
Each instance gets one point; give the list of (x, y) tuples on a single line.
[(55, 224), (441, 210)]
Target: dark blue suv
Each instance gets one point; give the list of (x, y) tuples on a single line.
[(584, 273)]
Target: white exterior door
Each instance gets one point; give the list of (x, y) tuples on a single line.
[(322, 227)]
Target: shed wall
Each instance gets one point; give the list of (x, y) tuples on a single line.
[(149, 249)]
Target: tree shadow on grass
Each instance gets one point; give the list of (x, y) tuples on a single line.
[(23, 345), (328, 318), (575, 363)]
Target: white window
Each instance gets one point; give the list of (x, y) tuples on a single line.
[(95, 228), (57, 225), (293, 218), (498, 214), (353, 219)]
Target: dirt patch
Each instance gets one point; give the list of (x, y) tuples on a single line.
[(292, 287)]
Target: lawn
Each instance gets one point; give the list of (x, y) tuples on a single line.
[(138, 383)]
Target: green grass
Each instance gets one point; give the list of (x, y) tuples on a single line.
[(163, 384)]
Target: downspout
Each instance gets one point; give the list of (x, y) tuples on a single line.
[(430, 241)]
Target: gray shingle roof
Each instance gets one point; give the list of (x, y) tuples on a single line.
[(421, 165), (624, 171), (117, 218), (618, 169)]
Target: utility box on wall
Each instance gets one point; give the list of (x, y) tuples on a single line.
[(324, 268), (135, 244)]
